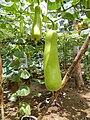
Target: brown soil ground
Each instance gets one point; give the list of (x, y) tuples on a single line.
[(72, 103)]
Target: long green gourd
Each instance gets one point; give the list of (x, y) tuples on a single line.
[(37, 23), (52, 73)]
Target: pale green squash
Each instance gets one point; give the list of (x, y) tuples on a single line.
[(52, 73), (37, 24)]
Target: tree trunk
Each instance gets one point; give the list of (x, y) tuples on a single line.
[(78, 73)]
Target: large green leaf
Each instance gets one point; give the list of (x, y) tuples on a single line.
[(68, 16), (24, 108), (13, 8), (53, 5), (24, 74), (23, 90), (86, 4)]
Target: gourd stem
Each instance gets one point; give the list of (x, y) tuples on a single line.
[(38, 2), (53, 25), (46, 15), (53, 93)]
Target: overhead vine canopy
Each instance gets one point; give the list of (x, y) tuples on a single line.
[(16, 16)]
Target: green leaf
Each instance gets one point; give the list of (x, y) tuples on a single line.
[(59, 1), (39, 81), (86, 4), (35, 1), (13, 97), (15, 63), (85, 32), (19, 54), (15, 77), (29, 1), (87, 53), (24, 108), (24, 74), (15, 0), (68, 16), (23, 90), (3, 26), (7, 0), (13, 8), (87, 14), (45, 19), (74, 2), (53, 5), (75, 15), (36, 93)]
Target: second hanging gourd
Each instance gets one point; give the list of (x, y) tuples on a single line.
[(37, 24)]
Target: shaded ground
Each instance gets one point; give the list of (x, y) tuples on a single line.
[(72, 104)]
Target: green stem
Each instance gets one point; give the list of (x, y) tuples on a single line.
[(62, 6), (38, 2), (58, 10), (46, 14), (53, 25)]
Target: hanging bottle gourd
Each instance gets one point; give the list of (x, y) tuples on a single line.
[(51, 62), (37, 24)]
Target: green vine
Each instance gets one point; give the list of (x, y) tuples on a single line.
[(53, 25)]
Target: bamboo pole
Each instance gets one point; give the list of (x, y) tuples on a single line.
[(76, 60), (79, 82), (2, 90)]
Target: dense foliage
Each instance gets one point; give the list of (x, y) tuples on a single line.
[(20, 53)]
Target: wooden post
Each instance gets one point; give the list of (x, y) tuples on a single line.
[(78, 73), (1, 90)]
